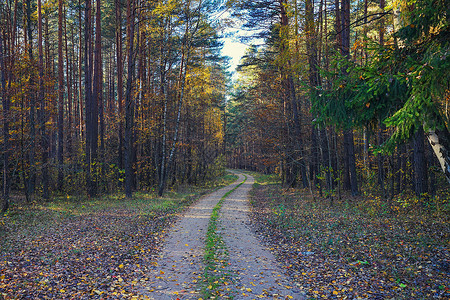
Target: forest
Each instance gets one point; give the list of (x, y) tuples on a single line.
[(329, 145), (345, 96), (105, 96), (129, 95)]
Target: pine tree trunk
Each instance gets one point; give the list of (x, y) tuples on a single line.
[(6, 146), (380, 161), (129, 101), (97, 96), (88, 95), (60, 97), (69, 74), (31, 178), (80, 123), (119, 80), (348, 134), (420, 164), (42, 114)]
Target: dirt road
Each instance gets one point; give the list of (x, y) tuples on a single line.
[(254, 271)]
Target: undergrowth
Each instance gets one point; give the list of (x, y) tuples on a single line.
[(355, 247)]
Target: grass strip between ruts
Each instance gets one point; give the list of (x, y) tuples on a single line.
[(216, 254)]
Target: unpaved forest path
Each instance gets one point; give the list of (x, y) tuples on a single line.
[(178, 269)]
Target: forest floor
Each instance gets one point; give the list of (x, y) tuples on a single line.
[(79, 248), (112, 248), (353, 248)]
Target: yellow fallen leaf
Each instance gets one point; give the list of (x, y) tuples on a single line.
[(186, 245), (335, 292), (121, 266), (62, 291), (248, 289)]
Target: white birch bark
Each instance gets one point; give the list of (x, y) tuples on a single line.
[(440, 150)]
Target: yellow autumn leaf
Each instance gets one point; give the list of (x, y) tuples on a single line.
[(335, 292), (121, 266), (62, 291)]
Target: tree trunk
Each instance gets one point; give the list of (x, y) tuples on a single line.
[(119, 80), (380, 160), (97, 93), (61, 97), (440, 142), (69, 71), (420, 164), (88, 96), (293, 101), (42, 114), (31, 180), (129, 101), (80, 72), (6, 146), (348, 134), (352, 162)]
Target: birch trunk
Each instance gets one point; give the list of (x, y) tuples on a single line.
[(440, 143)]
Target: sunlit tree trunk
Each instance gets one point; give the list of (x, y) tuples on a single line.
[(439, 140)]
